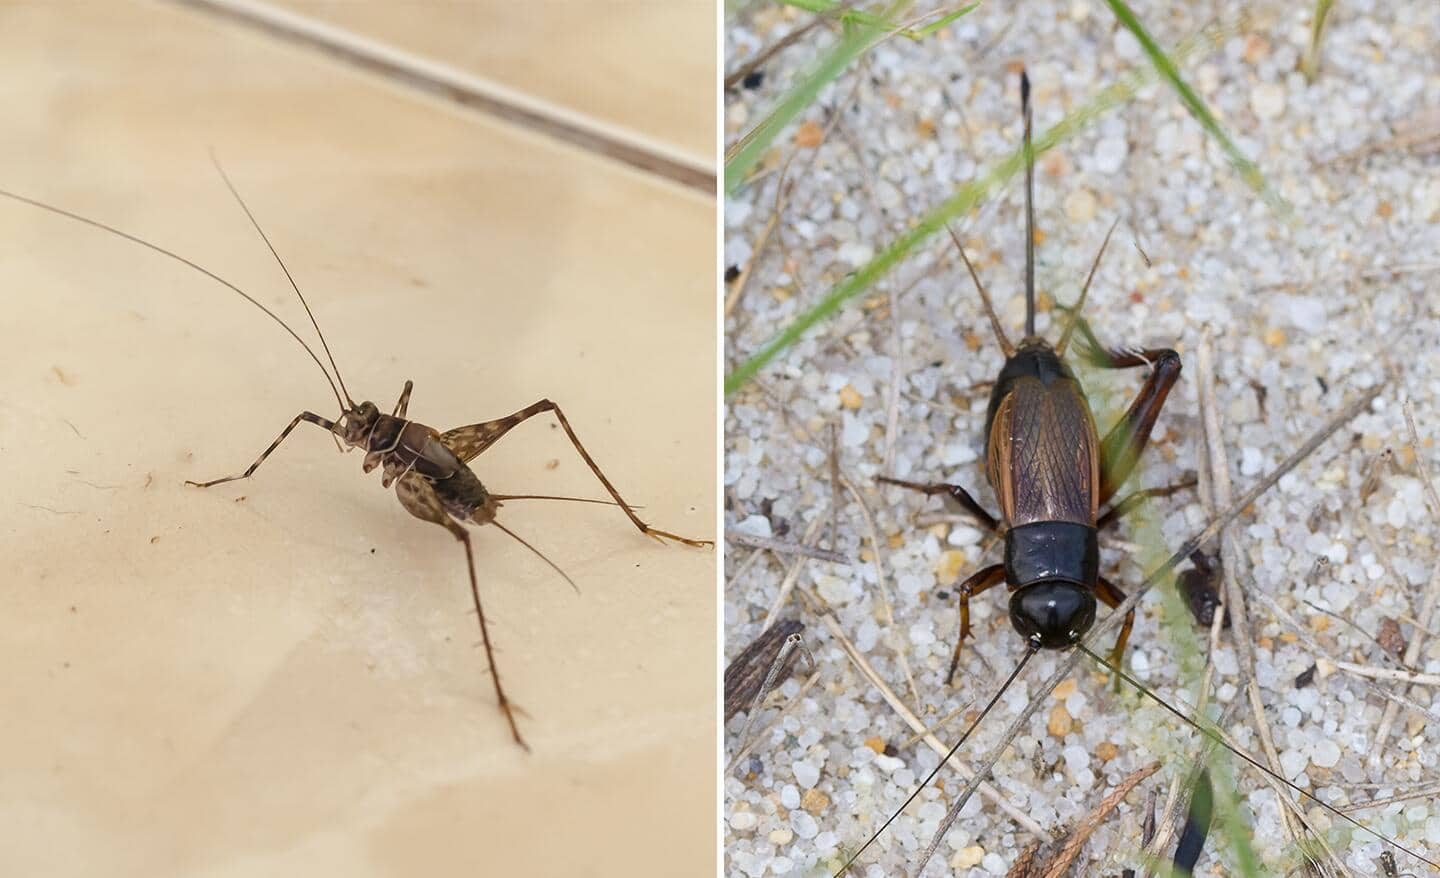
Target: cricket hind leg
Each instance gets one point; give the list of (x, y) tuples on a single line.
[(311, 417), (419, 498), (469, 442), (1130, 502), (1127, 439), (955, 492)]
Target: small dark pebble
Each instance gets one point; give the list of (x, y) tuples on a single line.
[(1324, 388), (1201, 588), (943, 595), (756, 766), (891, 751), (731, 273), (1390, 638), (372, 551), (753, 79), (1305, 677)]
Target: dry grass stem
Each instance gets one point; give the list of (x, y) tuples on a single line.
[(905, 713), (782, 547), (1427, 609)]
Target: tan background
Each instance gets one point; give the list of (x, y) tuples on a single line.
[(288, 684)]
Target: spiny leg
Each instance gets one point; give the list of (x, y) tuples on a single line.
[(418, 497), (985, 578), (303, 416), (955, 492), (1114, 597), (1130, 502), (469, 442), (403, 404), (1127, 439)]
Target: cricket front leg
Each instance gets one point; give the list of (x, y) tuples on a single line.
[(978, 582), (1112, 598), (1127, 439), (303, 416), (469, 442), (403, 404)]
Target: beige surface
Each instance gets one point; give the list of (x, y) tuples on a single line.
[(287, 684), (645, 65)]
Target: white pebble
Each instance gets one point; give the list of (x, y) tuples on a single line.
[(1292, 762), (790, 796), (742, 821), (1077, 758), (1110, 154), (1327, 754), (888, 764), (803, 824), (755, 526), (963, 535), (806, 775), (856, 253), (1080, 205), (1268, 100)]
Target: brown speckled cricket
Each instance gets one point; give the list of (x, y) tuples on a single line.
[(430, 469)]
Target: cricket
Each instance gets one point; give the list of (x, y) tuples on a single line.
[(1052, 475), (429, 469)]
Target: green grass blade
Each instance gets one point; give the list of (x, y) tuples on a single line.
[(1317, 31), (860, 17), (1169, 72), (863, 31), (854, 42)]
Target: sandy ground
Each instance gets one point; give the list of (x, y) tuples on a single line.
[(1304, 312), (280, 677)]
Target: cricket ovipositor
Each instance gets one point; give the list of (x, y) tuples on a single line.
[(429, 468)]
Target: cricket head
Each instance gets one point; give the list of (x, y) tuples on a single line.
[(1053, 614), (357, 423)]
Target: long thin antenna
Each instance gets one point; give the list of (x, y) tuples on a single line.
[(541, 555), (1005, 344), (183, 261), (507, 497), (1029, 653), (296, 287), (1218, 739), (1080, 303), (1029, 209)]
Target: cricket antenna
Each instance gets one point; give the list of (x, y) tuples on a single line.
[(1030, 651), (539, 554), (1218, 739), (506, 497), (1080, 303), (331, 357), (186, 262), (1005, 344), (1029, 208)]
